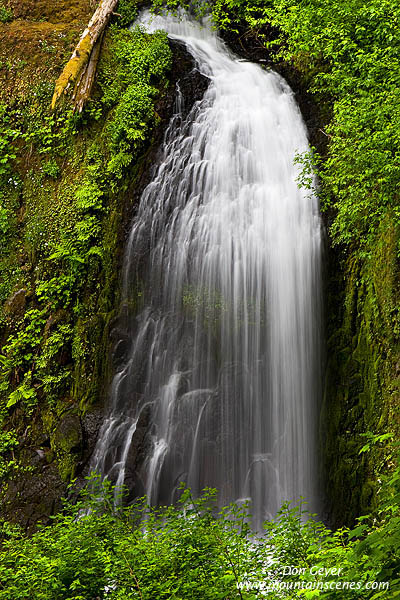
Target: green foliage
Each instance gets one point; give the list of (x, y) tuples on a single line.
[(132, 116), (127, 9), (59, 225), (19, 352), (51, 168), (129, 77), (93, 550), (8, 441), (52, 377), (197, 7), (19, 349), (8, 134), (24, 392), (89, 196), (136, 58), (191, 551), (56, 292), (374, 439), (5, 13)]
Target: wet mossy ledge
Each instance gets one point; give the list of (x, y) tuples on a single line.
[(69, 186)]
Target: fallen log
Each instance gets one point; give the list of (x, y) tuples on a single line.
[(81, 67), (84, 86)]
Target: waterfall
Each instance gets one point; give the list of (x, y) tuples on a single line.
[(221, 359)]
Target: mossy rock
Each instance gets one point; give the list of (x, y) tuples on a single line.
[(360, 395)]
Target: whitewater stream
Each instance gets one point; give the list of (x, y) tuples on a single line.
[(223, 353)]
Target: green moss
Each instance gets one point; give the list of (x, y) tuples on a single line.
[(75, 172), (73, 68), (5, 13), (361, 394)]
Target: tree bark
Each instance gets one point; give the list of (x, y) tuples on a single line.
[(81, 67), (84, 86)]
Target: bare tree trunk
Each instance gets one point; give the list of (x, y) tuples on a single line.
[(81, 67)]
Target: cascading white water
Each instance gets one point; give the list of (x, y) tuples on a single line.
[(224, 353)]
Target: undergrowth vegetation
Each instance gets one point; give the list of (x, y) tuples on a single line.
[(95, 550)]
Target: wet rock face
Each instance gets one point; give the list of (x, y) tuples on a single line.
[(137, 453), (34, 497), (192, 84), (16, 304), (91, 423), (248, 47), (68, 436)]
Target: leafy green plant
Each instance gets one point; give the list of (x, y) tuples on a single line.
[(5, 13), (51, 169), (57, 291), (23, 393), (127, 10), (93, 549), (8, 134), (132, 116)]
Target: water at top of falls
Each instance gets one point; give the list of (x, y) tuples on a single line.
[(220, 378)]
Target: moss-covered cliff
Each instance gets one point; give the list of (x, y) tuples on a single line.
[(68, 188), (363, 372)]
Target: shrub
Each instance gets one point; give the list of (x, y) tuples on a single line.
[(5, 13)]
